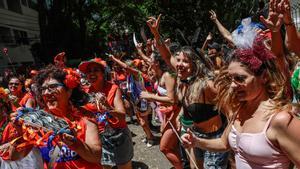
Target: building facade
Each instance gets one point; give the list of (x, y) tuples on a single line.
[(19, 29), (295, 9)]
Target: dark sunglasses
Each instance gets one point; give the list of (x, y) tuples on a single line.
[(13, 84), (239, 79)]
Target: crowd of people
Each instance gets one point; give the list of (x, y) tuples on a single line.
[(224, 106)]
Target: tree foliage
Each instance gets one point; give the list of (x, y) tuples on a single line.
[(82, 27)]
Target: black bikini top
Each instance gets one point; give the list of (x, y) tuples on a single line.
[(200, 112)]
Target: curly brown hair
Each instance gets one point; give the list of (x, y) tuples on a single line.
[(78, 97)]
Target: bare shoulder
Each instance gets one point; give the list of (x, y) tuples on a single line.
[(211, 89), (286, 124), (281, 120), (168, 75)]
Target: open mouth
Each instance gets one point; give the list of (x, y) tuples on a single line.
[(12, 89), (50, 100), (180, 70)]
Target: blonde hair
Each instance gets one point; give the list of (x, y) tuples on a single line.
[(201, 74), (276, 86)]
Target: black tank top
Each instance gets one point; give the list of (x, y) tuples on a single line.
[(200, 112)]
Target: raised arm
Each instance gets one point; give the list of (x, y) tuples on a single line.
[(170, 87), (292, 37), (208, 39), (139, 49), (153, 24), (224, 32), (129, 69), (274, 23)]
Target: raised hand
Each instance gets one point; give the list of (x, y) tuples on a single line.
[(275, 18), (139, 46), (284, 7), (153, 24), (168, 42), (209, 37), (213, 15)]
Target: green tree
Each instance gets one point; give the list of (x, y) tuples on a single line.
[(82, 27)]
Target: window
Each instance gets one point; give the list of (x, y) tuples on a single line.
[(1, 4), (21, 37), (14, 5), (5, 35)]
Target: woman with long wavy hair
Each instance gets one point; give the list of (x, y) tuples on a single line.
[(262, 132), (195, 93)]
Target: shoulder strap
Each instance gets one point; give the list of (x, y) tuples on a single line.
[(268, 123)]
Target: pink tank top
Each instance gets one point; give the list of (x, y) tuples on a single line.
[(255, 150)]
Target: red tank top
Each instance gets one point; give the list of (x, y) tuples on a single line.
[(67, 157), (110, 92), (70, 159)]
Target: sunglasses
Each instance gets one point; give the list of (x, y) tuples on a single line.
[(51, 87), (13, 84), (238, 79)]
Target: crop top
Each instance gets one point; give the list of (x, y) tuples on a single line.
[(200, 112)]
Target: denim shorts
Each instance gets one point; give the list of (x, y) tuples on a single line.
[(211, 160), (117, 147)]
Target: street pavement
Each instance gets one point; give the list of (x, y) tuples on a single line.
[(144, 157)]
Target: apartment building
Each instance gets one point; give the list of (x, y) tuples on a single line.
[(19, 29), (295, 9)]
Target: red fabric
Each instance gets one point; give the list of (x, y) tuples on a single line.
[(79, 163), (148, 82), (121, 76), (110, 92), (59, 60), (255, 56), (15, 106), (26, 97), (9, 133)]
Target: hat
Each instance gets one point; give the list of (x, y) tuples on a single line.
[(83, 65), (214, 45)]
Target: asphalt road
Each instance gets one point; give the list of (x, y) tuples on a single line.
[(144, 157)]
